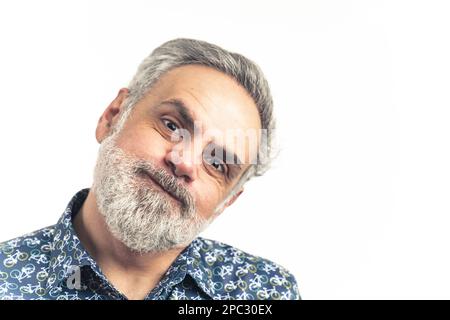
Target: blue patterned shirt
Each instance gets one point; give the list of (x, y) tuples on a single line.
[(44, 265)]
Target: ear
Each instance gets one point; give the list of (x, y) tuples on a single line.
[(110, 116), (230, 202)]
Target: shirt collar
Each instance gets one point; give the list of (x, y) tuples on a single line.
[(197, 267), (66, 248), (67, 252)]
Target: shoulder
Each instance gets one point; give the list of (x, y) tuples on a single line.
[(24, 262), (36, 241), (240, 275)]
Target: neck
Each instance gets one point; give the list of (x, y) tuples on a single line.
[(135, 275)]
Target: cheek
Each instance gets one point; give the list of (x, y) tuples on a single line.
[(208, 198), (144, 143)]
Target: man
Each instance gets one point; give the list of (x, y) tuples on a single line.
[(176, 148)]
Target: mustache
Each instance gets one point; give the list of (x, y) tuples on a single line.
[(167, 182)]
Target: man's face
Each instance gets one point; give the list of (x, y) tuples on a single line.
[(163, 175)]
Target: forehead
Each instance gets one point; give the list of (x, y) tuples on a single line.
[(218, 103)]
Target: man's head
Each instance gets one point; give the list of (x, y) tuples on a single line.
[(178, 145)]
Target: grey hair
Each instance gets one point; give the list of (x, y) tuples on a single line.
[(179, 52)]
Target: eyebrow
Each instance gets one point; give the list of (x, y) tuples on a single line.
[(186, 116), (182, 110)]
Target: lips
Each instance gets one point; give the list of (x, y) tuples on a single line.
[(159, 186)]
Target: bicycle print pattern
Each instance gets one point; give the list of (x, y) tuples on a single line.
[(38, 266)]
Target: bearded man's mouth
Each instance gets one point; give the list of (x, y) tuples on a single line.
[(159, 187)]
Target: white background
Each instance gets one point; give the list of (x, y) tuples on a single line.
[(357, 205)]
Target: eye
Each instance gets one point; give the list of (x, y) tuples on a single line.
[(170, 125), (216, 163)]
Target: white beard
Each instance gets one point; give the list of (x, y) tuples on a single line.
[(142, 217)]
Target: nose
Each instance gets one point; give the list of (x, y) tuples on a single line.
[(182, 163)]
